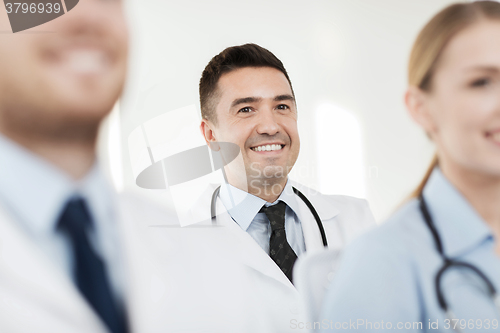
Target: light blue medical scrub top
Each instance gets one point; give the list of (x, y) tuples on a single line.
[(386, 280)]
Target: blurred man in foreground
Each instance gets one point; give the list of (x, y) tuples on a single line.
[(71, 257)]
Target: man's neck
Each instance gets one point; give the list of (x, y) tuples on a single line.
[(73, 157), (267, 189)]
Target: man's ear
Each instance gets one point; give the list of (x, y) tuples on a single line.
[(418, 105), (207, 130)]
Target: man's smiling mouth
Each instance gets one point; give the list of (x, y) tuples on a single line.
[(272, 147)]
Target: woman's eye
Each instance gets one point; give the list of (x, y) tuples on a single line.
[(245, 110), (480, 82), (282, 107)]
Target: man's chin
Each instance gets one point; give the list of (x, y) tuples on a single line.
[(272, 173), (276, 171)]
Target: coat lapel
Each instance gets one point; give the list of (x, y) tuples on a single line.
[(143, 270), (238, 244), (310, 229), (27, 272), (327, 213), (248, 252)]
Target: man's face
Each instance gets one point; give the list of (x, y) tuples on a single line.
[(64, 74), (257, 111)]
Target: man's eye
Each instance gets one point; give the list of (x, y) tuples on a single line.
[(245, 109), (480, 82), (283, 107)]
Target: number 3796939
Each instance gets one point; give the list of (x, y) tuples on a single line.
[(32, 8)]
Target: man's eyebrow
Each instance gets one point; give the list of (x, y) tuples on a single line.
[(280, 98), (245, 100)]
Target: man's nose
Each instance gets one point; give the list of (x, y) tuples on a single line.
[(267, 122)]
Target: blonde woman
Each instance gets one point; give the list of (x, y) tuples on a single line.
[(435, 265)]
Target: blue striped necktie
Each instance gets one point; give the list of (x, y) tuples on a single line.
[(89, 269)]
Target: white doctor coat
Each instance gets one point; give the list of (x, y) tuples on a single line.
[(193, 279), (254, 295), (37, 296), (177, 280)]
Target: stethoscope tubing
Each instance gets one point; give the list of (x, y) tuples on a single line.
[(309, 205), (449, 263)]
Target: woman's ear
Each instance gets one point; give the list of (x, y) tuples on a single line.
[(418, 105)]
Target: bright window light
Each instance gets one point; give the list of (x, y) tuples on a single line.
[(340, 152), (115, 148)]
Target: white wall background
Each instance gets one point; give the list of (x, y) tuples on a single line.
[(347, 55)]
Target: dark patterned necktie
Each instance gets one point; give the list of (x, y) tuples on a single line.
[(89, 270), (279, 249)]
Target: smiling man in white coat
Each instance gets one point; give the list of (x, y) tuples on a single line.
[(247, 99), (72, 255)]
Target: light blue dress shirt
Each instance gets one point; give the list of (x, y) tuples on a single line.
[(35, 193), (386, 280), (244, 207)]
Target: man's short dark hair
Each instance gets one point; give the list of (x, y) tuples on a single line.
[(232, 58)]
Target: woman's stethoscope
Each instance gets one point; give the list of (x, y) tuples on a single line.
[(452, 263), (297, 192)]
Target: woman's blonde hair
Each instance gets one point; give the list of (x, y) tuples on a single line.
[(431, 42)]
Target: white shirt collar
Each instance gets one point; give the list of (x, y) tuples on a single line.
[(35, 191), (243, 206)]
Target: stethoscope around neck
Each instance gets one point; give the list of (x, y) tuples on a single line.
[(449, 263), (309, 205)]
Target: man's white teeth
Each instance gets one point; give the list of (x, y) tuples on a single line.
[(268, 148), (86, 62)]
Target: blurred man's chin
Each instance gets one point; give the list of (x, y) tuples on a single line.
[(95, 96), (92, 104), (84, 88)]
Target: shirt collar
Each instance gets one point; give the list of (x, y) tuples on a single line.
[(243, 206), (459, 225), (36, 191), (98, 193)]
